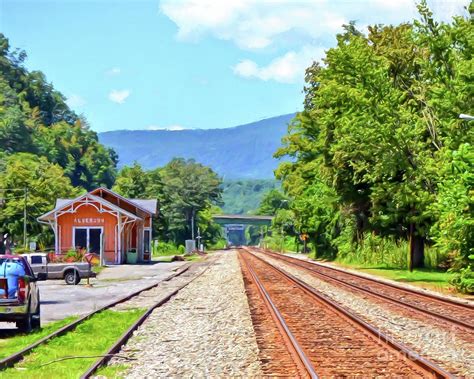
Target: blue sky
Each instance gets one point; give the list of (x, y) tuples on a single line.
[(175, 64)]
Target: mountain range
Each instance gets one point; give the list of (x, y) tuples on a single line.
[(241, 152)]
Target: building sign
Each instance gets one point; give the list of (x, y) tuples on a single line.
[(235, 227), (89, 220)]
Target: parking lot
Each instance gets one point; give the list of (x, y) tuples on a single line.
[(59, 300)]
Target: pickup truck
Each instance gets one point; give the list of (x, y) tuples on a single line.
[(72, 273), (19, 294)]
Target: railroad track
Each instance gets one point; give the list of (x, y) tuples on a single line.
[(11, 360), (323, 338), (452, 312)]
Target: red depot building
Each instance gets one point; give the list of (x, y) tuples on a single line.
[(105, 223)]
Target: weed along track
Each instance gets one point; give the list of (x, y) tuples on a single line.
[(448, 312), (90, 341), (313, 336)]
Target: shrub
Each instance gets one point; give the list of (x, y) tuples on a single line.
[(275, 242), (164, 248), (220, 244), (464, 280), (375, 250)]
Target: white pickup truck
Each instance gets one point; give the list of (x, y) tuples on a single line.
[(72, 273)]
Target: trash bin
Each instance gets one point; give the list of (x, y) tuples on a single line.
[(132, 256)]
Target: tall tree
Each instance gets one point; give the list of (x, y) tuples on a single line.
[(133, 182), (188, 188), (186, 191)]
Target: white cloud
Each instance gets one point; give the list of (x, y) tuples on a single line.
[(405, 10), (287, 68), (257, 24), (169, 128), (75, 101), (119, 96), (251, 24), (290, 27), (114, 71)]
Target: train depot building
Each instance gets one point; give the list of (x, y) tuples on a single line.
[(104, 223)]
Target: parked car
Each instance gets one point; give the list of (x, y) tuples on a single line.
[(72, 273), (19, 294)]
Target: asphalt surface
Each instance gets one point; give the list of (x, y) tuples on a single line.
[(59, 300)]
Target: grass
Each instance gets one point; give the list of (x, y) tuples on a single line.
[(166, 253), (192, 258), (17, 342), (93, 337), (425, 278)]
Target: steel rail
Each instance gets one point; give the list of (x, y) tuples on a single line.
[(15, 357), (423, 363), (296, 262), (435, 297), (128, 333), (302, 361)]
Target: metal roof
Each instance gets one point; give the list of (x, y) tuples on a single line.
[(148, 205)]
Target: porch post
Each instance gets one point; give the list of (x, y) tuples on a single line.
[(118, 259), (56, 234)]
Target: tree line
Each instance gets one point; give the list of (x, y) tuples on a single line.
[(379, 153)]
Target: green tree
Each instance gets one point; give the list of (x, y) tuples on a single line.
[(187, 193), (454, 209), (44, 181), (188, 188), (133, 182), (35, 118), (273, 201)]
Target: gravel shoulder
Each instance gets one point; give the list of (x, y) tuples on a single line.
[(446, 347), (204, 331), (460, 299)]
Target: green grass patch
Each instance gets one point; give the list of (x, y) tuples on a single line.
[(192, 258), (424, 278), (17, 342), (165, 248), (92, 337)]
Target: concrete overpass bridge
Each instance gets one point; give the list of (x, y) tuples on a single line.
[(235, 225)]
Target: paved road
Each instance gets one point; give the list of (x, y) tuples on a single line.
[(59, 300)]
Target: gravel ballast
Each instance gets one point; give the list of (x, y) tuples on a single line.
[(206, 330), (440, 345)]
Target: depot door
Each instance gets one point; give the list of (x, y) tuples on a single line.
[(89, 239)]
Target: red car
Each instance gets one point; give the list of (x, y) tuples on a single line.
[(19, 294)]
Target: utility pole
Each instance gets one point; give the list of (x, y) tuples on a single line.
[(192, 224), (199, 239), (25, 216)]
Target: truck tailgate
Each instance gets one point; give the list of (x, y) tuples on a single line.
[(11, 307)]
